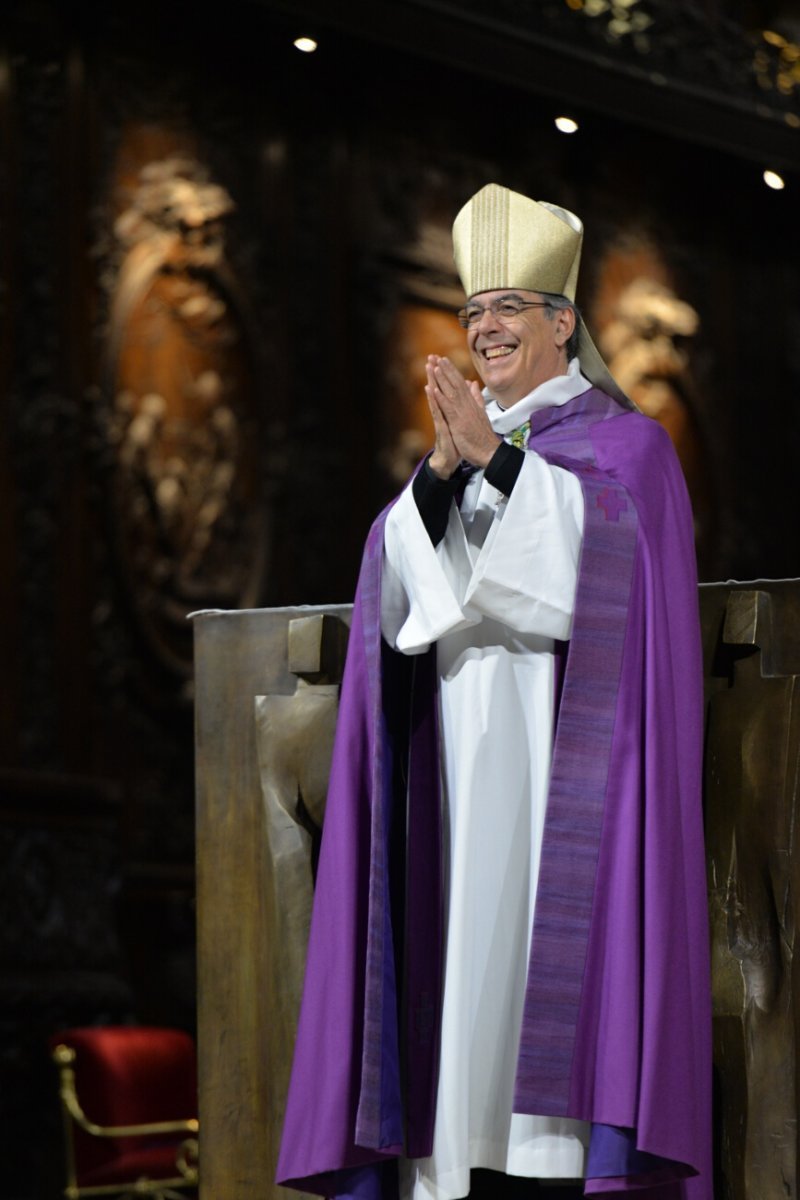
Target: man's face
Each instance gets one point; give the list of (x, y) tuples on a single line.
[(513, 357)]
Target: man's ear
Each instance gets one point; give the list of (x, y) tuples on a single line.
[(565, 325)]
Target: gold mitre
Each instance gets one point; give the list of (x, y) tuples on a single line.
[(504, 240)]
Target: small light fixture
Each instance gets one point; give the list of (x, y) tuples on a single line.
[(566, 125), (773, 180), (306, 44)]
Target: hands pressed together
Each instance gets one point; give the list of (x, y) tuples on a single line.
[(462, 429)]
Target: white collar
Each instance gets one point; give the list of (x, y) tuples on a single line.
[(550, 394)]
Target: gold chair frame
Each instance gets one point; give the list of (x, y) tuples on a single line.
[(155, 1189)]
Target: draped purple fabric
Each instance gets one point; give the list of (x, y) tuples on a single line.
[(616, 1024)]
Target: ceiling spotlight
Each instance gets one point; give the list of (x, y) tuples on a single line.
[(307, 45), (566, 125), (773, 180)]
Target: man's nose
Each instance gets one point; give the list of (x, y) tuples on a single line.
[(487, 320)]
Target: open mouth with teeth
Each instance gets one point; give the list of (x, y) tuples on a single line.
[(493, 352)]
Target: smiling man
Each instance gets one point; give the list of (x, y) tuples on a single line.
[(508, 990)]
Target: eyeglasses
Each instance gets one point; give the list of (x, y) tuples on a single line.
[(503, 310)]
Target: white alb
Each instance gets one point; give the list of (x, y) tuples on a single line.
[(494, 596)]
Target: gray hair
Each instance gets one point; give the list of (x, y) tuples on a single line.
[(555, 302)]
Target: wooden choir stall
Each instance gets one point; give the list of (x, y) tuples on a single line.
[(267, 687)]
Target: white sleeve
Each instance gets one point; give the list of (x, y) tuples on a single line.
[(422, 586), (527, 571)]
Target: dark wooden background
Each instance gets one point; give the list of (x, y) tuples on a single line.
[(335, 161)]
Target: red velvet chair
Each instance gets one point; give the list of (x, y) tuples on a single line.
[(129, 1103)]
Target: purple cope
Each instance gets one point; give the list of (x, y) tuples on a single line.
[(616, 1026)]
